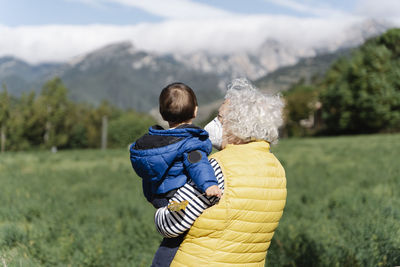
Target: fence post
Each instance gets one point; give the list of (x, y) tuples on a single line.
[(3, 138), (104, 127)]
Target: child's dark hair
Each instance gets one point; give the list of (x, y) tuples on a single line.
[(177, 103)]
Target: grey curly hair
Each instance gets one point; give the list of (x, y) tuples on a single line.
[(252, 114)]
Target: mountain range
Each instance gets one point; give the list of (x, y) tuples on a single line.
[(117, 73), (131, 78)]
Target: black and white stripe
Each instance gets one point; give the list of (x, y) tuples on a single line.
[(172, 224)]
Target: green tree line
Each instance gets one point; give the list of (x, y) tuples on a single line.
[(51, 120), (358, 94)]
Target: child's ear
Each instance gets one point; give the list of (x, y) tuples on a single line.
[(195, 112)]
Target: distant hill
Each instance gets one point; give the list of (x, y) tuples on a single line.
[(306, 69), (118, 73), (20, 76), (133, 79)]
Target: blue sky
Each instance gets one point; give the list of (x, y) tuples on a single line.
[(61, 30), (78, 12), (42, 12)]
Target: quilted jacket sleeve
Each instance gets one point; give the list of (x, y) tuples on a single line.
[(199, 169)]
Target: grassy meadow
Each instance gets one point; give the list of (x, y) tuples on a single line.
[(85, 207)]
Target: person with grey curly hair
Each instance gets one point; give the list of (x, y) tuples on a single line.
[(252, 115), (236, 231)]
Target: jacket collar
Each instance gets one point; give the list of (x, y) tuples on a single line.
[(262, 144), (184, 130)]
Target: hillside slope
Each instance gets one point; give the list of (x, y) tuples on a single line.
[(118, 73), (133, 79), (306, 69)]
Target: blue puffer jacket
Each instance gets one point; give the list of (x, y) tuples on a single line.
[(165, 159)]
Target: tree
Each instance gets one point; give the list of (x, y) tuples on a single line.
[(77, 123), (94, 122), (362, 94), (128, 127), (53, 105), (50, 120), (301, 101), (23, 123)]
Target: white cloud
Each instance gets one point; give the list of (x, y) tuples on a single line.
[(56, 42), (241, 33), (191, 26)]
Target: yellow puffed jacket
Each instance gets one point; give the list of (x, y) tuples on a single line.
[(238, 230)]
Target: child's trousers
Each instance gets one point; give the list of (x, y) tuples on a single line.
[(166, 251), (169, 246)]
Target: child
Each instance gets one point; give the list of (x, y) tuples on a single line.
[(167, 159)]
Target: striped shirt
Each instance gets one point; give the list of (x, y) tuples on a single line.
[(174, 223)]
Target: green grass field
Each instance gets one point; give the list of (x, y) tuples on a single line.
[(85, 207)]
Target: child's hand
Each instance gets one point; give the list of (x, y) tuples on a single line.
[(213, 191)]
